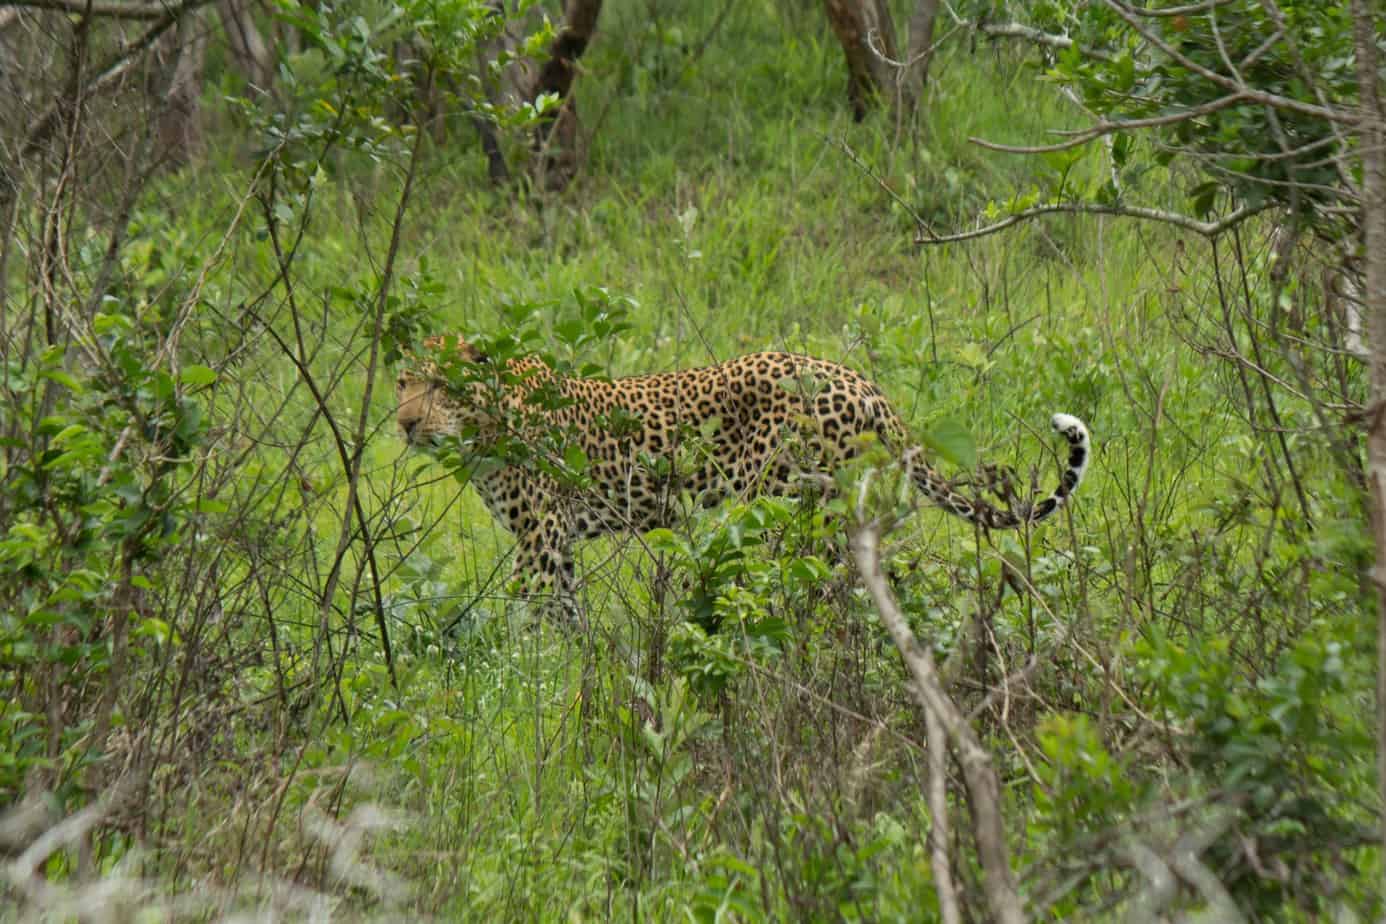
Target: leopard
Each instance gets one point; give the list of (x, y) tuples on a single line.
[(766, 423)]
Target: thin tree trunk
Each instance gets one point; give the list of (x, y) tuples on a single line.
[(558, 138), (579, 25), (1373, 148), (180, 121), (491, 147), (918, 55), (949, 910), (247, 45), (503, 88), (867, 35)]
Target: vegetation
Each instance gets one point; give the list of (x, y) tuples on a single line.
[(256, 656)]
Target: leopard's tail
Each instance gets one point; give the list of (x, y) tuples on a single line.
[(976, 510)]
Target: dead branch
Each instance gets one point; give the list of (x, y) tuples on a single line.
[(938, 821), (1015, 30), (1191, 9), (979, 777), (111, 9), (1208, 229)]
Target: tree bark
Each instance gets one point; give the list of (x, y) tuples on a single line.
[(180, 120), (917, 57), (950, 911), (558, 138), (1372, 130), (504, 89), (867, 34)]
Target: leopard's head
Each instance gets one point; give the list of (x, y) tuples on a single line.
[(432, 402)]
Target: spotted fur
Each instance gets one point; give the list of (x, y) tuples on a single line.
[(747, 410)]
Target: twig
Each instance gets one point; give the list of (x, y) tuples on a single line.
[(1106, 128), (866, 169), (1191, 9), (23, 872)]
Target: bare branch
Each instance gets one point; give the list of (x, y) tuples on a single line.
[(108, 8), (1217, 168), (1209, 229), (938, 821), (866, 169), (1015, 30), (106, 77), (23, 874), (1161, 885), (1105, 128), (979, 776), (1238, 87), (1185, 862), (1307, 74), (1309, 147), (1259, 51), (1191, 9)]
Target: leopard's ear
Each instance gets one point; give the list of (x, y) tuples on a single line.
[(472, 354), (468, 352)]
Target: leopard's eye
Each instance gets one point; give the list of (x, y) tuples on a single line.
[(400, 382)]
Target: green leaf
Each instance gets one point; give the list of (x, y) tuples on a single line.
[(1121, 150), (570, 332), (62, 378), (67, 433), (155, 629), (972, 355), (196, 376), (574, 458), (953, 442), (109, 323)]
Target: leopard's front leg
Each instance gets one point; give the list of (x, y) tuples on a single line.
[(543, 567)]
